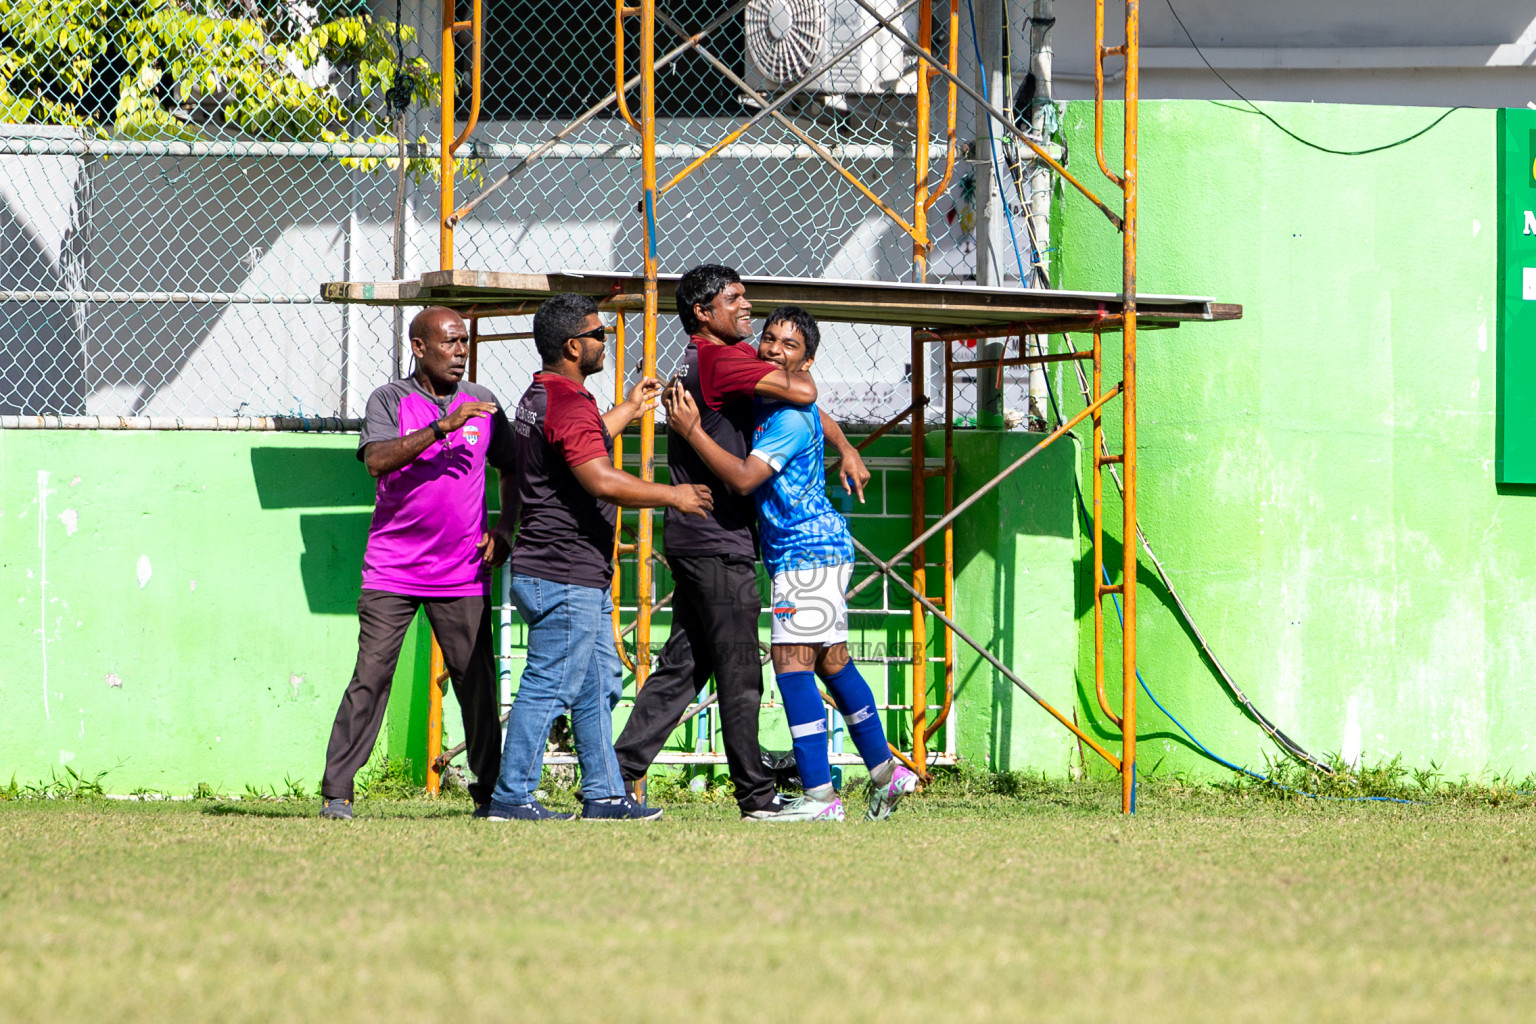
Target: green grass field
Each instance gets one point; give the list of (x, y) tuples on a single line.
[(1042, 904)]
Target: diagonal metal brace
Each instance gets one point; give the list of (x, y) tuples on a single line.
[(789, 93), (991, 485), (888, 22), (800, 133), (688, 43), (887, 569)]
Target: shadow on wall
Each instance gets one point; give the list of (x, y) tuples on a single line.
[(40, 346), (1006, 548), (269, 226), (41, 249), (1182, 691), (332, 560)]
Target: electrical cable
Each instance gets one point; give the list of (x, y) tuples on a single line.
[(1305, 142), (1234, 691), (1018, 257), (1269, 728), (1289, 745)]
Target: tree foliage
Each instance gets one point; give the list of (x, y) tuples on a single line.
[(188, 69)]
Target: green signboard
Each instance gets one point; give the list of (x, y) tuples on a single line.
[(1515, 434)]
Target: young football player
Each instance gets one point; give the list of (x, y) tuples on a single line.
[(808, 552)]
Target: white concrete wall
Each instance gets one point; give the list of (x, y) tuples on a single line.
[(1406, 53)]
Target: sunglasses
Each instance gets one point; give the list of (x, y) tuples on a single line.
[(596, 334)]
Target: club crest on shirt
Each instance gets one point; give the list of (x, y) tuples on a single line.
[(471, 433)]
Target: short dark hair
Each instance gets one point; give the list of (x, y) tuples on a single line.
[(698, 287), (801, 320), (558, 321)]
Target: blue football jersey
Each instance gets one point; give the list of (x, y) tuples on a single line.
[(798, 527)]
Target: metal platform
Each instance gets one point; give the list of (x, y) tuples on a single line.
[(932, 306)]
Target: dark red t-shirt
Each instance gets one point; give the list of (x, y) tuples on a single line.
[(721, 379), (564, 534), (728, 372)]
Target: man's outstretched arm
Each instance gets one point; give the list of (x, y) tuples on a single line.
[(599, 478), (795, 388), (641, 400)]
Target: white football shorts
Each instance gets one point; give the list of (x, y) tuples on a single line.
[(809, 606)]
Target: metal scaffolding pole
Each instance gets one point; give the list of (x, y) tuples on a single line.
[(644, 536), (919, 379), (1126, 588), (450, 139), (1128, 412)]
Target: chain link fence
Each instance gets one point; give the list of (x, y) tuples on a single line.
[(179, 177)]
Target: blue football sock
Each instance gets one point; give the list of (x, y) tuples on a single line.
[(857, 703), (807, 727)]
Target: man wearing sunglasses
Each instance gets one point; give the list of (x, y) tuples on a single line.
[(566, 493)]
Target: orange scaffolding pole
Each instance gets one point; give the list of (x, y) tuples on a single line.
[(644, 537), (1128, 412), (449, 142), (1126, 588), (919, 379)]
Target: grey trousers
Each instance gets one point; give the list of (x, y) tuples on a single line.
[(462, 626)]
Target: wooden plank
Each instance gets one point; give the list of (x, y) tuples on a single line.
[(938, 306)]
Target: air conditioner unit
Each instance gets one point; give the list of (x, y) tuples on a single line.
[(788, 38)]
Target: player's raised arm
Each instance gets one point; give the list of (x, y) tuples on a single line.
[(642, 399), (741, 475)]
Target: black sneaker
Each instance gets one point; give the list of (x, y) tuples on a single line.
[(482, 810), (623, 809), (336, 809), (523, 812), (765, 812)]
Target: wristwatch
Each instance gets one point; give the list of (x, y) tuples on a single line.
[(437, 430)]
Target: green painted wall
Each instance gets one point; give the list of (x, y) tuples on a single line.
[(188, 601), (1016, 558), (1319, 476)]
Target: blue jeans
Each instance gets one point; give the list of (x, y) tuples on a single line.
[(572, 667)]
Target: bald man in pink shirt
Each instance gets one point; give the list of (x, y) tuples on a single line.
[(427, 440)]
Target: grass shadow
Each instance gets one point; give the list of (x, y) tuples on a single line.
[(255, 810)]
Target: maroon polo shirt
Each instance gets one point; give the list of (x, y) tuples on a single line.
[(721, 379), (564, 534)]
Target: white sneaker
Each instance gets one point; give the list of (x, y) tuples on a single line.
[(808, 808), (883, 799)]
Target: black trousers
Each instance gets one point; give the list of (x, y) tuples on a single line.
[(462, 626), (714, 632)]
